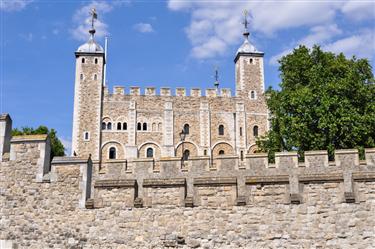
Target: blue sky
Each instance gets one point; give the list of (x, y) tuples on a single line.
[(158, 43)]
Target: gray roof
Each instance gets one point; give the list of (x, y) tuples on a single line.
[(247, 47), (91, 46)]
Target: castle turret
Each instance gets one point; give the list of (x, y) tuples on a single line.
[(88, 94), (249, 68)]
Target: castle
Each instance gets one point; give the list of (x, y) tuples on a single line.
[(119, 126), (131, 183)]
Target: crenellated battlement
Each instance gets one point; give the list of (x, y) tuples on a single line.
[(166, 91)]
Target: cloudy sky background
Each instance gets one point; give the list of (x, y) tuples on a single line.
[(159, 43)]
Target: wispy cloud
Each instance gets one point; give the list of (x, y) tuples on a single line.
[(82, 20), (215, 26), (67, 145), (143, 27), (29, 37), (13, 5)]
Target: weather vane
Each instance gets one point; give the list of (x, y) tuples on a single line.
[(245, 22), (216, 76), (94, 16)]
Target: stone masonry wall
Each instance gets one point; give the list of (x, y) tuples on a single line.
[(49, 214)]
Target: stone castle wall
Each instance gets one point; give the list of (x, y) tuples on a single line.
[(201, 203)]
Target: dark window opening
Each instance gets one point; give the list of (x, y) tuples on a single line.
[(251, 60), (241, 155), (255, 131), (221, 152), (240, 131), (109, 126), (139, 126), (86, 135), (118, 126), (83, 60), (145, 126), (96, 60), (81, 76), (104, 125), (95, 77), (186, 129), (205, 152), (150, 152), (112, 153), (186, 155), (221, 130), (124, 126)]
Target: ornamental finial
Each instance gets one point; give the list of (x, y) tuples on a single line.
[(216, 76)]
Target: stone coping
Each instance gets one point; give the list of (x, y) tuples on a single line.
[(117, 183), (4, 116), (69, 160), (370, 150), (328, 177), (226, 157), (363, 176), (257, 155), (281, 179), (29, 138), (204, 181), (316, 152), (286, 154), (171, 182), (346, 151)]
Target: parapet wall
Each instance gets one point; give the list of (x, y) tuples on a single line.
[(223, 202), (166, 91)]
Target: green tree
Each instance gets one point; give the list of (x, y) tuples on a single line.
[(326, 102), (57, 148)]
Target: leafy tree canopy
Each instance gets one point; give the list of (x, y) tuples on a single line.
[(326, 102), (57, 148)]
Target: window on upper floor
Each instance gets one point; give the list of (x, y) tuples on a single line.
[(255, 131), (118, 126), (221, 152), (104, 125), (159, 126), (186, 129), (112, 153), (124, 126), (83, 60), (241, 131), (150, 152), (81, 76), (96, 60), (86, 136), (139, 126), (241, 155), (109, 126), (95, 76), (145, 126), (221, 130), (253, 94), (186, 155), (153, 126)]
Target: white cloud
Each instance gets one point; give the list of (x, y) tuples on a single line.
[(213, 21), (29, 37), (67, 145), (13, 5), (361, 45), (359, 10), (82, 19), (143, 27)]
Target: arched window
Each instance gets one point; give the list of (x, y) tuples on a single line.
[(118, 126), (124, 126), (95, 77), (186, 129), (112, 153), (221, 152), (104, 126), (221, 130), (96, 60), (255, 131), (205, 152), (86, 135), (251, 60), (153, 126), (109, 126), (186, 155), (83, 60), (81, 76), (139, 126), (159, 127), (145, 126), (253, 94), (150, 152)]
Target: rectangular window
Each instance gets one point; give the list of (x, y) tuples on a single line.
[(241, 131)]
